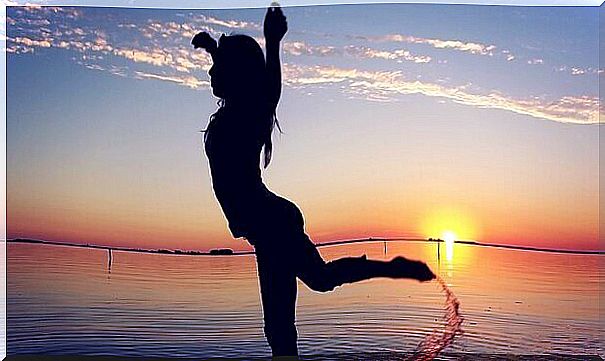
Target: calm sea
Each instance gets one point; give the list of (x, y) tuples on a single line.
[(63, 300)]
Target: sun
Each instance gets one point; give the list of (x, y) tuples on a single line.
[(449, 237), (449, 223)]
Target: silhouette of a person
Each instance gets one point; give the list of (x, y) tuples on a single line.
[(249, 89)]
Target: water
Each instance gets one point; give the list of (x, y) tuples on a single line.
[(63, 300)]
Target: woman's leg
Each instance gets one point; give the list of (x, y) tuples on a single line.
[(325, 276), (278, 293)]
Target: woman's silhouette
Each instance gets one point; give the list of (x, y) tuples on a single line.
[(249, 89)]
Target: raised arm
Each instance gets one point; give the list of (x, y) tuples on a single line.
[(275, 28)]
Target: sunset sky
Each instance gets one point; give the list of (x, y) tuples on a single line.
[(399, 120)]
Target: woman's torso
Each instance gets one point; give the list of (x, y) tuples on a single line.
[(233, 146)]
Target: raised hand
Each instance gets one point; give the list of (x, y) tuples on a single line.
[(204, 40), (275, 26)]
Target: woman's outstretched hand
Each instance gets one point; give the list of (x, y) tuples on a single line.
[(275, 26)]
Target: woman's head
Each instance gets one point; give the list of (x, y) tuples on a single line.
[(238, 73)]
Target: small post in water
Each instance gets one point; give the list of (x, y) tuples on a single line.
[(438, 250)]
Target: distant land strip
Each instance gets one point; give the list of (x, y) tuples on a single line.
[(229, 252)]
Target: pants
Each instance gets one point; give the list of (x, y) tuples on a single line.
[(280, 261)]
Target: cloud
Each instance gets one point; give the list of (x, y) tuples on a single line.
[(155, 57), (573, 70), (387, 85), (231, 24), (159, 51), (299, 48), (399, 55), (27, 43), (188, 81), (467, 47), (120, 71)]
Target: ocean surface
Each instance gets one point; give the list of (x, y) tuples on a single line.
[(65, 300)]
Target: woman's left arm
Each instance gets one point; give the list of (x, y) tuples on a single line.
[(275, 28)]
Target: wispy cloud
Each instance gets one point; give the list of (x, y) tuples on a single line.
[(398, 55), (231, 24), (299, 48), (188, 81), (463, 46), (387, 85), (573, 70), (535, 61), (120, 71)]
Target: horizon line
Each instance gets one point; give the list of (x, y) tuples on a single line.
[(179, 252)]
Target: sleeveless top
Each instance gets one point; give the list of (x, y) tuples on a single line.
[(233, 147)]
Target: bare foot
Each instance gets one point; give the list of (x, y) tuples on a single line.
[(405, 268)]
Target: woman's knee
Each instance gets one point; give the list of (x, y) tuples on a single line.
[(327, 276), (322, 285), (319, 279)]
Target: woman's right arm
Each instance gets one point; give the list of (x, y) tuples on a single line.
[(275, 28)]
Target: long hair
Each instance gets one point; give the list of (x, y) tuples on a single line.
[(242, 68)]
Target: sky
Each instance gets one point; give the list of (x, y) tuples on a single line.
[(399, 121)]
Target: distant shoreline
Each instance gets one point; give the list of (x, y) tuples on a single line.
[(225, 252)]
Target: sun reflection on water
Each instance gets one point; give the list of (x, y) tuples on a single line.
[(449, 238)]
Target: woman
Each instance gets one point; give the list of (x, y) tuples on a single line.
[(249, 90)]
